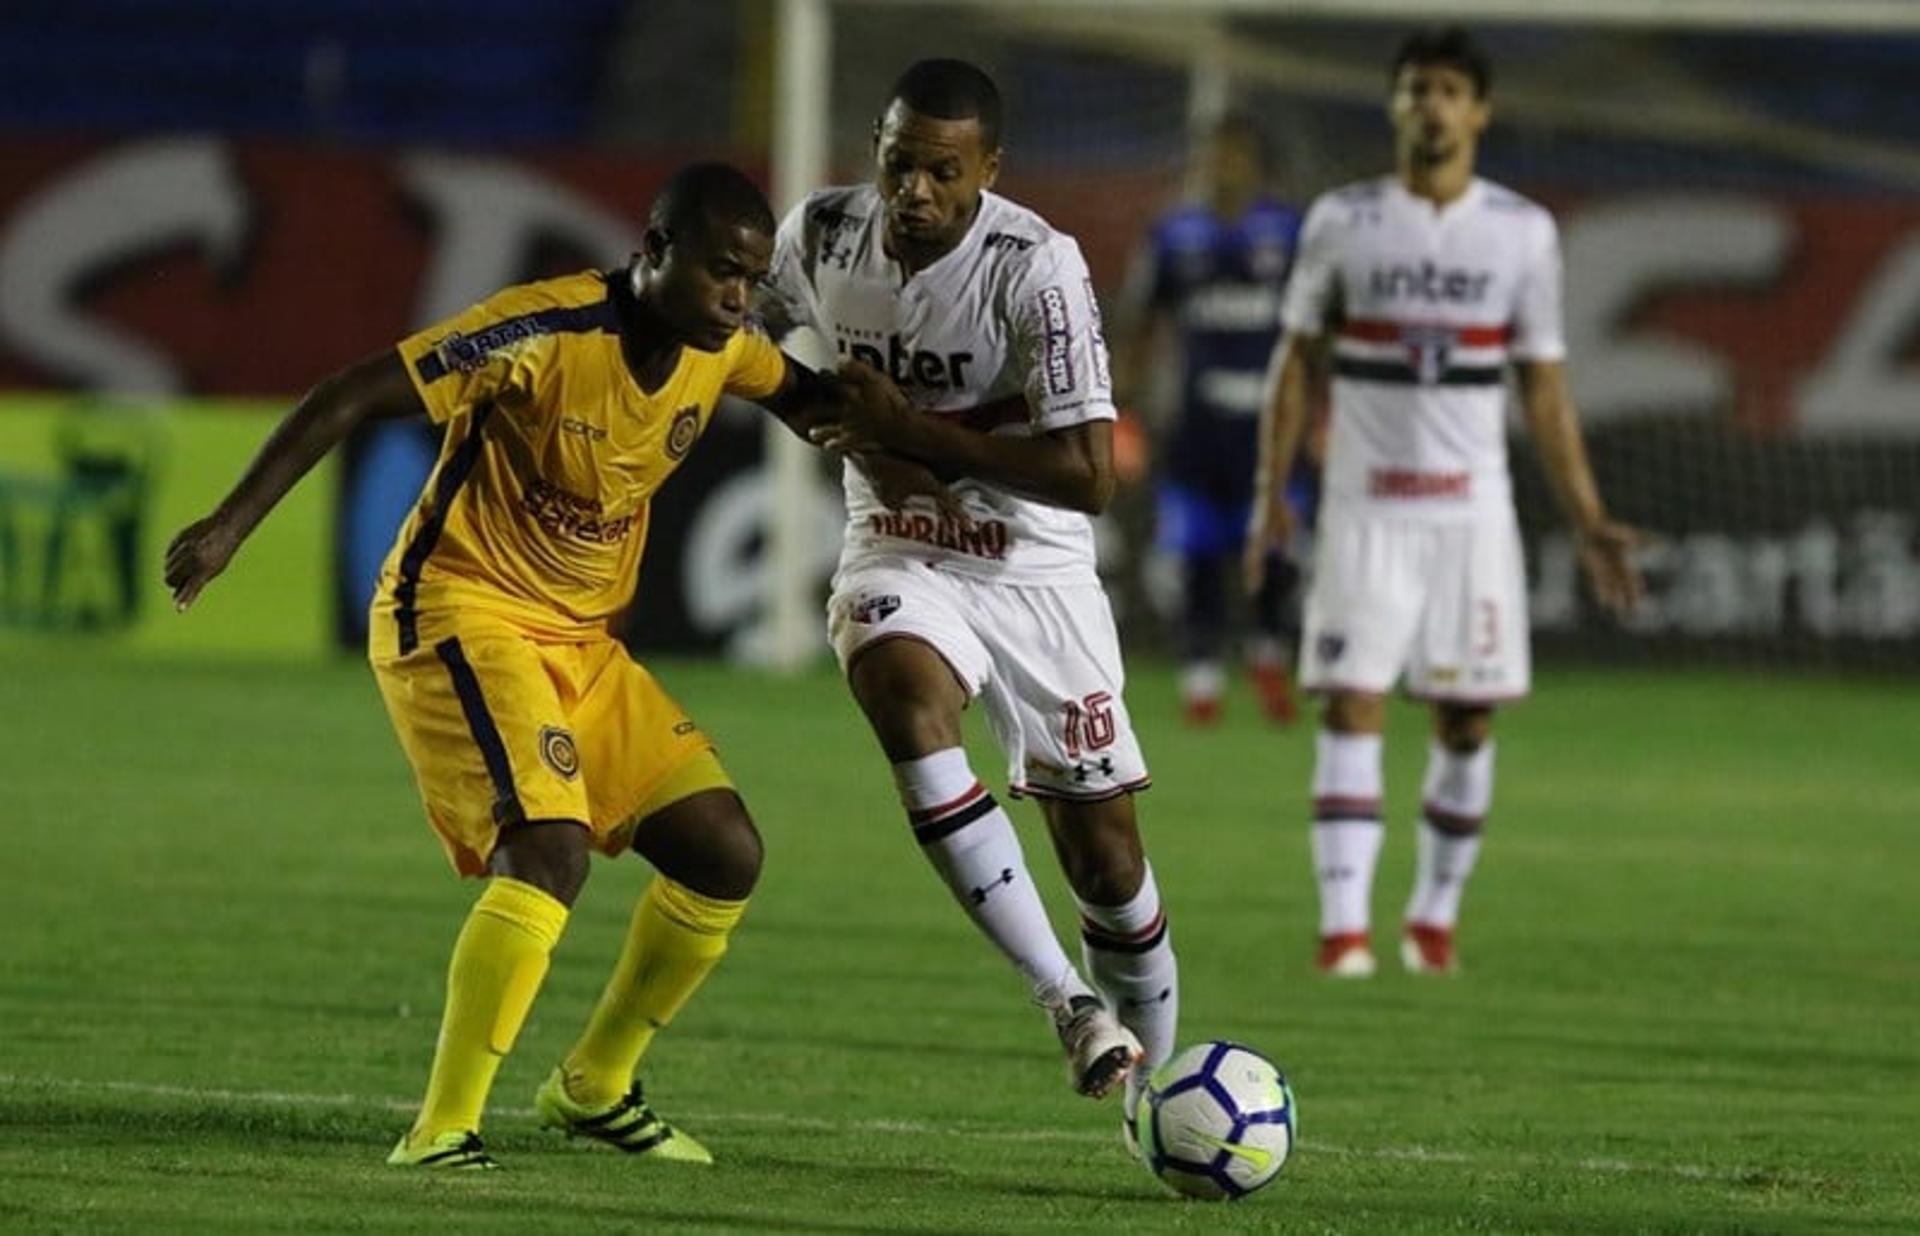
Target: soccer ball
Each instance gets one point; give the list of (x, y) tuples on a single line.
[(1216, 1121)]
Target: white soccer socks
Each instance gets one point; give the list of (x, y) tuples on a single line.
[(971, 843), (1129, 956), (1454, 802), (1346, 830)]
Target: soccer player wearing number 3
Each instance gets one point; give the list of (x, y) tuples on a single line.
[(985, 317), (1429, 282)]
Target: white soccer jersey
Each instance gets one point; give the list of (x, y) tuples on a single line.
[(1010, 310), (1426, 306)]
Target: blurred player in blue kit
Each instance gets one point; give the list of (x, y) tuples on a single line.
[(1207, 283)]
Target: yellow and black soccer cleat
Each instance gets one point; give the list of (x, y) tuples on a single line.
[(459, 1150), (627, 1123)]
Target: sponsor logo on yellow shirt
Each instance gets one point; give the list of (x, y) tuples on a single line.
[(563, 514)]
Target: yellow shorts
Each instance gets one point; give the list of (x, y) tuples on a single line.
[(502, 730)]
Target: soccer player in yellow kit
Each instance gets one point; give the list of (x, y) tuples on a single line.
[(533, 735)]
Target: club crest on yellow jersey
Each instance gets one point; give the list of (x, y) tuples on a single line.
[(683, 431)]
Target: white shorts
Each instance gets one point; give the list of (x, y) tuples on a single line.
[(1445, 603), (1046, 661)]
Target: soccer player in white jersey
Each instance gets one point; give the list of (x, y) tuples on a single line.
[(984, 317), (1430, 282)]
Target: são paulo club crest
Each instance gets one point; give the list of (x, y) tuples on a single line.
[(1428, 350), (871, 610)]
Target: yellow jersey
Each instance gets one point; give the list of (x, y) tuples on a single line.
[(536, 511)]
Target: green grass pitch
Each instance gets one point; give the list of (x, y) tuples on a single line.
[(1691, 998)]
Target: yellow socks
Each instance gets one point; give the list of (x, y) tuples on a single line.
[(498, 963), (676, 938)]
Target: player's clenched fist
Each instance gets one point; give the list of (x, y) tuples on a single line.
[(871, 413), (200, 551)]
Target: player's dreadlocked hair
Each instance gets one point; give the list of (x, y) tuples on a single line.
[(952, 90), (703, 192), (1451, 46)]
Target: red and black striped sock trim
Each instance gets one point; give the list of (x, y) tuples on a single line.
[(1452, 823), (1145, 940), (1330, 807), (938, 822)]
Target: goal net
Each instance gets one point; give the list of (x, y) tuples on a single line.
[(1740, 218)]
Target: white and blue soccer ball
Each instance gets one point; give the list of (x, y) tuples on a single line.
[(1217, 1121)]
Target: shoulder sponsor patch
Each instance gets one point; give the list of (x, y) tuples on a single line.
[(459, 354), (1057, 328)]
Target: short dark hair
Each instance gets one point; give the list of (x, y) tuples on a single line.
[(1451, 46), (702, 193), (952, 90)]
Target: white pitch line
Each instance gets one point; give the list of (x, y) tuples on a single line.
[(892, 1127)]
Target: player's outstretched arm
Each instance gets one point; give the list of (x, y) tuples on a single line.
[(374, 388), (1606, 547), (806, 398), (1298, 364), (1071, 468)]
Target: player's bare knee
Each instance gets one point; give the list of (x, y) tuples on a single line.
[(551, 855), (1462, 728), (706, 841), (914, 708), (914, 732), (1108, 880), (1099, 848), (736, 858), (1355, 712)]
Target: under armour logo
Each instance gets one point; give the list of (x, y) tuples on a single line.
[(979, 895), (1104, 765), (836, 245), (1166, 994)]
